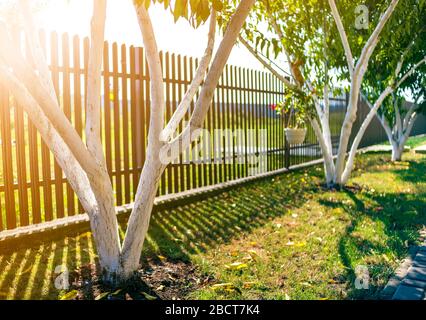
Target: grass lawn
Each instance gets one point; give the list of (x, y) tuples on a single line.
[(279, 238), (414, 142)]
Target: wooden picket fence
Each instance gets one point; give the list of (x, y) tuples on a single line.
[(33, 188)]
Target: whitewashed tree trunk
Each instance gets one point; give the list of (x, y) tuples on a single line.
[(357, 74), (84, 166), (333, 172), (153, 168)]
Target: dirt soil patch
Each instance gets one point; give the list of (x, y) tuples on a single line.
[(165, 280)]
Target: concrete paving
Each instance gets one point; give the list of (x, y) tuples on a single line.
[(409, 281)]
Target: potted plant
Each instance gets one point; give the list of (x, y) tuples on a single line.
[(296, 106)]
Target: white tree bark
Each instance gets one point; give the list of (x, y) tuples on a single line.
[(94, 77), (401, 133), (360, 134), (104, 238), (182, 109), (356, 81), (153, 167)]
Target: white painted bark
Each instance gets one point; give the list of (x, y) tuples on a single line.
[(153, 168), (23, 71), (182, 109), (351, 158), (94, 77), (104, 238), (191, 132), (399, 130), (356, 81), (328, 156), (36, 50), (141, 214), (343, 36)]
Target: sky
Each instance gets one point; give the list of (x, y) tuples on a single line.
[(74, 17)]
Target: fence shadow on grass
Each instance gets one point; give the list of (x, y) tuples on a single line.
[(199, 226), (29, 272)]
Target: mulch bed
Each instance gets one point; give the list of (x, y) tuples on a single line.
[(164, 280)]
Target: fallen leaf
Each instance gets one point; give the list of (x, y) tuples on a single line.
[(26, 270), (223, 286), (117, 292), (253, 253), (236, 266), (102, 296), (234, 253), (70, 295), (148, 297), (162, 258), (248, 285)]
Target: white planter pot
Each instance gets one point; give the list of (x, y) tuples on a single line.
[(295, 136)]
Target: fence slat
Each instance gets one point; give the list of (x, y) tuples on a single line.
[(125, 125), (59, 191), (107, 109), (67, 109), (6, 146), (133, 120), (117, 128)]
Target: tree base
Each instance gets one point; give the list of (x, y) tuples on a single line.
[(155, 281)]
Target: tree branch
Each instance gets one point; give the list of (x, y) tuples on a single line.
[(156, 75), (267, 65), (36, 49), (94, 76), (373, 40), (343, 36), (183, 107), (73, 171), (14, 59), (204, 101)]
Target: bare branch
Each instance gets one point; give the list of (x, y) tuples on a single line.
[(14, 59), (183, 107), (343, 36), (35, 47), (410, 72), (94, 74), (73, 171), (156, 75), (373, 40), (203, 103)]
